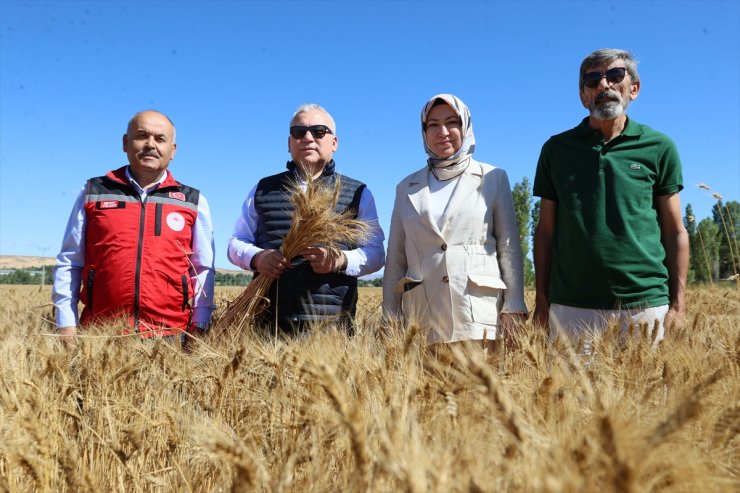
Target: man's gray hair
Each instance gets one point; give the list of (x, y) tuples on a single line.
[(305, 108), (607, 55)]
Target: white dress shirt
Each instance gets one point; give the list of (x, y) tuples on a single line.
[(439, 197), (71, 260), (363, 260)]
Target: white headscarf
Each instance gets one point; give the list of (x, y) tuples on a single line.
[(446, 169)]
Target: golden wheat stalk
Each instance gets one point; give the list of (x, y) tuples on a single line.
[(706, 257), (314, 222), (733, 235)]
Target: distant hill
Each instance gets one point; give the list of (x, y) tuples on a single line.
[(24, 262)]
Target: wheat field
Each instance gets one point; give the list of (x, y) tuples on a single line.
[(374, 413)]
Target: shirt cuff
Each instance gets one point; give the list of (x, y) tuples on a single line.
[(244, 254), (354, 261), (66, 317), (514, 307), (201, 315)]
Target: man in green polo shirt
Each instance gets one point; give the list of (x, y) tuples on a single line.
[(610, 243)]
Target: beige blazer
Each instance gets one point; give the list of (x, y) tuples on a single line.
[(456, 281)]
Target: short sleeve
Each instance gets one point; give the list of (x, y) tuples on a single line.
[(670, 178), (543, 183)]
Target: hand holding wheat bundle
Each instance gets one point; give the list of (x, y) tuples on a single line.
[(315, 232)]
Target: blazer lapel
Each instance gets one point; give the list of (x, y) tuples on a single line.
[(467, 186), (418, 193)]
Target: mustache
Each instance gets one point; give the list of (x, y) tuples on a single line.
[(150, 153), (608, 96)]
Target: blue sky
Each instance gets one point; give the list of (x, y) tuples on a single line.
[(230, 74)]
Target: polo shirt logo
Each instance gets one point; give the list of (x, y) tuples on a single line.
[(634, 166)]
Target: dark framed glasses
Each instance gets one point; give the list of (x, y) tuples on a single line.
[(613, 76), (318, 131)]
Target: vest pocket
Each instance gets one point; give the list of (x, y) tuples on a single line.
[(158, 220), (185, 293), (89, 289)]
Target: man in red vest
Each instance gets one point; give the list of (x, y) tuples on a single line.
[(138, 245)]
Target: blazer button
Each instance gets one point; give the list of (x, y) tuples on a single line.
[(445, 279), (444, 247)]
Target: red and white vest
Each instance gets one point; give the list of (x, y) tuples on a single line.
[(137, 254)]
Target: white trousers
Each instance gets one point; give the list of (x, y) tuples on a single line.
[(584, 323)]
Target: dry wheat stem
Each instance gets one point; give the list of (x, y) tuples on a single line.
[(734, 235), (727, 235), (114, 415)]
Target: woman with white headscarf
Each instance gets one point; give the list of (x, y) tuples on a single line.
[(454, 261)]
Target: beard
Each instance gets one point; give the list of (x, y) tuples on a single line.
[(608, 105)]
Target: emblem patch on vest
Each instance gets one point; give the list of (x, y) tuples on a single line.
[(634, 166), (110, 204), (175, 221), (177, 195)]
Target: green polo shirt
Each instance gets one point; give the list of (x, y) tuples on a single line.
[(607, 252)]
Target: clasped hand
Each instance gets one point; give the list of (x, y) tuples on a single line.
[(272, 263)]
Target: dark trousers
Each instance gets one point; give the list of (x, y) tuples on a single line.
[(299, 328)]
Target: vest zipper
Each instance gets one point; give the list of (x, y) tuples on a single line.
[(137, 275)]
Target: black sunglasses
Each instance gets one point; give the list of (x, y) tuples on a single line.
[(318, 131), (613, 76)]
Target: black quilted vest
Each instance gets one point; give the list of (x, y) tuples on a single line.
[(300, 294)]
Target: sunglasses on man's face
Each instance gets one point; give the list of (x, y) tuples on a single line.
[(318, 131), (613, 76)]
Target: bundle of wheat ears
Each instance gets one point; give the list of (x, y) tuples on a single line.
[(315, 222)]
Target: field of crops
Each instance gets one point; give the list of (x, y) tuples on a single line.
[(377, 412)]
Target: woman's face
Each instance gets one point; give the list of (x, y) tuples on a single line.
[(443, 131)]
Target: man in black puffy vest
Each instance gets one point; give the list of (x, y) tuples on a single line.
[(320, 286)]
